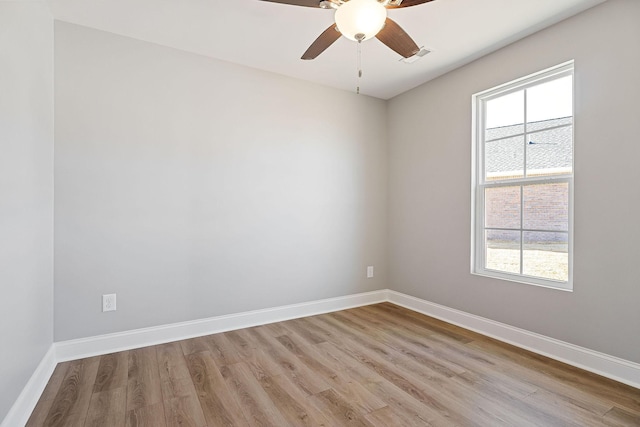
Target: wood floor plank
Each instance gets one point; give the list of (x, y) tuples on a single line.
[(386, 416), (378, 365), (69, 407), (146, 416), (421, 384), (243, 344), (544, 377), (405, 405), (617, 417), (493, 404), (321, 335), (262, 365), (345, 386), (462, 383), (348, 368), (433, 325), (300, 374), (501, 399), (359, 397), (482, 365), (436, 358), (258, 408), (308, 358), (173, 371), (292, 403), (184, 411), (180, 400), (409, 348), (143, 384), (194, 345), (219, 345), (566, 411), (107, 408), (304, 331), (112, 371), (222, 350), (340, 411), (530, 410), (273, 329), (219, 406)]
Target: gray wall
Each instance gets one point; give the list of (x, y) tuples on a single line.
[(193, 187), (26, 193), (430, 191)]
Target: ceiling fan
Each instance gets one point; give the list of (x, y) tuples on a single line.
[(361, 20)]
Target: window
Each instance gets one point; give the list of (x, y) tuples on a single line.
[(523, 180)]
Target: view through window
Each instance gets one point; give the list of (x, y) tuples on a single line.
[(524, 179)]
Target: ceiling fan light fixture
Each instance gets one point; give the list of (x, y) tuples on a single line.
[(360, 20)]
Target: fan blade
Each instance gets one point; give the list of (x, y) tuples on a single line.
[(324, 40), (307, 3), (397, 39), (407, 3)]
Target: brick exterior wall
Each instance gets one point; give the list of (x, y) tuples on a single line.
[(545, 208)]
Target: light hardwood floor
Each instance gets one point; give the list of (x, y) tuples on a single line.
[(380, 365)]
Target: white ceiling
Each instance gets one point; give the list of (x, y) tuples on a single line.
[(272, 36)]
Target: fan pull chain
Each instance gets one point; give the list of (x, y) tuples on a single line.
[(359, 66)]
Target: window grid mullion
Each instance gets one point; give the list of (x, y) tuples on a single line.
[(526, 230), (521, 232), (527, 182), (524, 170), (524, 139), (529, 132)]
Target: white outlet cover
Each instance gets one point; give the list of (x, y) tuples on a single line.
[(109, 302), (369, 272)]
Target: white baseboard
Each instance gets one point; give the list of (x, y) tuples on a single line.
[(603, 364), (104, 344), (21, 410), (608, 366), (621, 370)]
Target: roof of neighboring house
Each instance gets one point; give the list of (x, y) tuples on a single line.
[(546, 151)]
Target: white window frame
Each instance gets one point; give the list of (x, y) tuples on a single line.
[(478, 184)]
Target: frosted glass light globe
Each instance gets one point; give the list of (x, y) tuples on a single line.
[(360, 19)]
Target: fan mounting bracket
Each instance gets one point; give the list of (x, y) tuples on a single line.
[(330, 4), (334, 4)]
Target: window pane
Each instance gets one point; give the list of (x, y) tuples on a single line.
[(546, 207), (502, 250), (546, 255), (504, 116), (503, 132), (502, 207), (545, 124), (550, 100), (504, 159), (550, 152)]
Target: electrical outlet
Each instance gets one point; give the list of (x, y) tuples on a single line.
[(370, 272), (109, 302)]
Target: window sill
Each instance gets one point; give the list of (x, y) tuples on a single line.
[(558, 286)]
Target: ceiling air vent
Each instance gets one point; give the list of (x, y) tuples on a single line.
[(410, 60)]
